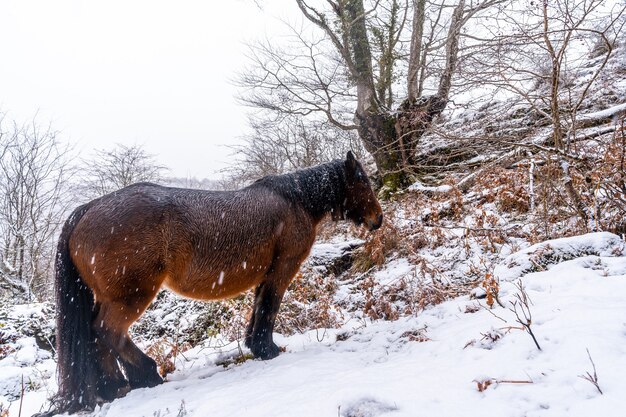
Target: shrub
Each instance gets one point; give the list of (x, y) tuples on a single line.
[(376, 248)]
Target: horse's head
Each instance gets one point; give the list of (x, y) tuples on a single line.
[(361, 205)]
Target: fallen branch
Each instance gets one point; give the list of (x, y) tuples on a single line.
[(486, 383)]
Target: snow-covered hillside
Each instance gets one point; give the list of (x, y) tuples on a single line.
[(456, 358), (483, 292)]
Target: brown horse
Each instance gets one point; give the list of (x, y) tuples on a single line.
[(116, 252)]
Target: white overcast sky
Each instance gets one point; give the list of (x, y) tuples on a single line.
[(154, 73)]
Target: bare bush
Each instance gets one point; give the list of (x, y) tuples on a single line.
[(110, 170), (606, 185), (276, 147), (34, 171), (593, 378), (547, 57), (521, 308)]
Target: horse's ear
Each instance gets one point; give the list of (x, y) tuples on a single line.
[(351, 161)]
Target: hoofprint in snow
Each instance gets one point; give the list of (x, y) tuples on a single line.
[(433, 364)]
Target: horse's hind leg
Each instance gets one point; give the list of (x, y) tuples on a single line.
[(111, 324), (111, 383)]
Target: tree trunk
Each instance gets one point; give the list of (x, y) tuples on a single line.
[(415, 55), (362, 58), (392, 139)]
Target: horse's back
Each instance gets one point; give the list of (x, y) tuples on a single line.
[(145, 235), (230, 240)]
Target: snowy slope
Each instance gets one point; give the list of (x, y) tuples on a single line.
[(428, 365)]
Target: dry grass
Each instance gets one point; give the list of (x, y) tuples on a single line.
[(506, 188), (377, 247), (164, 351), (309, 304)]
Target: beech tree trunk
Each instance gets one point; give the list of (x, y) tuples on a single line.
[(393, 138), (390, 136)]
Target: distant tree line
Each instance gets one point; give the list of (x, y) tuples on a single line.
[(39, 185)]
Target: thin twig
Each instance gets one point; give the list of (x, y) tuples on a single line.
[(19, 413), (592, 378), (523, 302)]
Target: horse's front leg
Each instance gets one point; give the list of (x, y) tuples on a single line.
[(268, 297), (261, 325)]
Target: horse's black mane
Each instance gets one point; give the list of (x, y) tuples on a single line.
[(319, 189)]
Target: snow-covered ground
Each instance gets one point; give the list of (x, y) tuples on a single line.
[(429, 365)]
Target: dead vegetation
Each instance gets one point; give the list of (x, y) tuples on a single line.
[(483, 384), (377, 248), (452, 237), (164, 351)]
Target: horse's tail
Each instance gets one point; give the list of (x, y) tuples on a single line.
[(77, 370)]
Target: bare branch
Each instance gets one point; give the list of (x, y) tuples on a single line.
[(593, 378)]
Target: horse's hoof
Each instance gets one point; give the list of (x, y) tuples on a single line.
[(148, 381), (265, 352), (155, 381), (108, 390), (122, 391)]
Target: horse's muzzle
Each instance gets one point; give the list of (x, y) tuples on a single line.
[(375, 224)]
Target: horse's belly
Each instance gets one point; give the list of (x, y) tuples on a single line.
[(214, 285)]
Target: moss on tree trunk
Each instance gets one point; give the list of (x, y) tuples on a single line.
[(392, 139)]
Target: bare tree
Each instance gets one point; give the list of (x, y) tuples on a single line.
[(536, 55), (110, 170), (34, 171), (275, 147), (349, 69)]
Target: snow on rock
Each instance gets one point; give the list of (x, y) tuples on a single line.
[(367, 407), (24, 365), (540, 256), (327, 253), (332, 257), (418, 186), (28, 353)]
